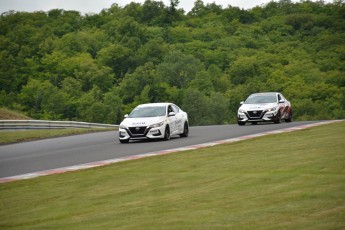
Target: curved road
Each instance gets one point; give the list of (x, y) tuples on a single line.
[(34, 156)]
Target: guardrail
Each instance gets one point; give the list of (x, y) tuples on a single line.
[(43, 124)]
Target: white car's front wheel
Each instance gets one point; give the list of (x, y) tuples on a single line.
[(124, 141), (278, 118), (185, 130), (241, 123), (289, 119), (167, 133)]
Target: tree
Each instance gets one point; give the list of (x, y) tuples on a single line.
[(43, 100), (243, 69), (194, 103), (116, 57), (202, 82), (152, 51), (90, 107), (146, 81), (113, 107), (64, 65), (178, 69)]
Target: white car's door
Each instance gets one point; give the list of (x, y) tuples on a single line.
[(283, 105), (172, 120), (179, 122)]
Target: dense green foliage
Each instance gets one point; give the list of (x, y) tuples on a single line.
[(63, 65)]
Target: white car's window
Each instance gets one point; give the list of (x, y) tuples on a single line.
[(261, 99), (176, 109), (170, 109), (282, 97), (154, 111)]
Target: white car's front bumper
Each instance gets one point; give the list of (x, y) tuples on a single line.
[(137, 133), (251, 116)]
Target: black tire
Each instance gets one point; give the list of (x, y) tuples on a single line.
[(241, 123), (289, 119), (185, 130), (167, 133), (124, 141), (278, 118)]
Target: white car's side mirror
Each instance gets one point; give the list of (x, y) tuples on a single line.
[(125, 116), (171, 114)]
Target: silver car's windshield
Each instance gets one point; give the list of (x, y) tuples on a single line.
[(154, 111), (261, 99)]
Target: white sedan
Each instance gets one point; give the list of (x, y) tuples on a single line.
[(265, 107), (154, 121)]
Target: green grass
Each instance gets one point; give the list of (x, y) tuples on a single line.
[(7, 137), (288, 181), (6, 114)]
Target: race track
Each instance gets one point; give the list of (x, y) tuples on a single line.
[(34, 156)]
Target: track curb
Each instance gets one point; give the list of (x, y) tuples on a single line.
[(157, 153)]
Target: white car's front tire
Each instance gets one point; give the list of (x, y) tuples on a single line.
[(167, 133), (185, 130), (241, 123), (124, 141)]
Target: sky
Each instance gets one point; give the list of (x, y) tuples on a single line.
[(95, 6)]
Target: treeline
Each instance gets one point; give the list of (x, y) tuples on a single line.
[(63, 65)]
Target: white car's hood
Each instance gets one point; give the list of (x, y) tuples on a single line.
[(142, 121), (250, 107)]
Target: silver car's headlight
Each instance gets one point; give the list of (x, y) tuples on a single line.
[(122, 127), (241, 111), (157, 125), (271, 109)]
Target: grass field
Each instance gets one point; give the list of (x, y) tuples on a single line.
[(6, 114), (288, 181)]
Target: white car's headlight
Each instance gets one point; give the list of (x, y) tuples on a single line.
[(241, 111), (157, 125), (122, 127), (271, 109)]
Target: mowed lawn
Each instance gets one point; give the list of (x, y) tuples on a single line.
[(286, 181)]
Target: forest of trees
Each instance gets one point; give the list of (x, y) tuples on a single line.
[(63, 65)]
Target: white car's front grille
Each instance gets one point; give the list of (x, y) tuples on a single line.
[(255, 113), (137, 130)]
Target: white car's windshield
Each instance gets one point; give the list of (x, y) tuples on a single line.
[(154, 111), (261, 99)]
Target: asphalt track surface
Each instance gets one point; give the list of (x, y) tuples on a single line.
[(34, 156)]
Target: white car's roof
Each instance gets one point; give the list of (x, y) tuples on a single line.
[(154, 104), (265, 93)]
